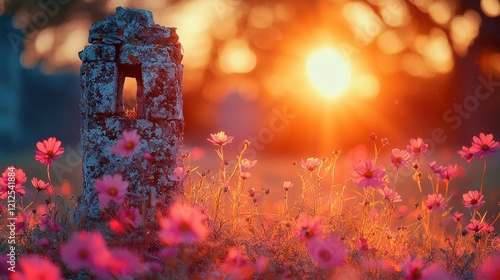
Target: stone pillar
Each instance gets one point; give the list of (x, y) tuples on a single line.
[(130, 44)]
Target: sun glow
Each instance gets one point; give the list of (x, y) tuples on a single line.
[(329, 72)]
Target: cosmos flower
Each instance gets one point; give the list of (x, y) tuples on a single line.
[(484, 145), (179, 174), (457, 216), (128, 144), (476, 226), (220, 139), (473, 199), (466, 154), (111, 188), (130, 216), (39, 184), (327, 252), (435, 169), (399, 158), (365, 175), (184, 224), (416, 147), (246, 164), (287, 185), (19, 180), (310, 164), (389, 194), (308, 227), (85, 250), (36, 267), (447, 173), (48, 151), (435, 202)]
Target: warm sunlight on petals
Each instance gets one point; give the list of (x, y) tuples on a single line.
[(328, 72)]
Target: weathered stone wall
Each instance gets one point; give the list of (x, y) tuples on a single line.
[(130, 44)]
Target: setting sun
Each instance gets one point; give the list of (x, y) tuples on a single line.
[(328, 72)]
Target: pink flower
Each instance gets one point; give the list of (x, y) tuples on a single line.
[(37, 267), (365, 175), (399, 158), (484, 145), (251, 192), (390, 194), (435, 169), (48, 151), (308, 227), (39, 184), (245, 175), (185, 224), (246, 164), (473, 199), (236, 266), (489, 269), (435, 202), (23, 221), (111, 188), (19, 180), (179, 174), (85, 250), (416, 147), (326, 252), (310, 164), (130, 216), (476, 226), (220, 139), (447, 173), (127, 145), (457, 216), (466, 154), (287, 185), (495, 243)]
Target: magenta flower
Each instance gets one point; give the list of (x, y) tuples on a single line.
[(473, 199), (184, 224), (416, 147), (365, 175), (476, 226), (111, 188), (23, 221), (466, 154), (389, 194), (435, 169), (245, 175), (412, 268), (220, 139), (127, 145), (399, 158), (130, 216), (435, 202), (457, 216), (484, 145), (123, 264), (85, 250), (287, 185), (310, 164), (246, 164), (36, 267), (489, 269), (308, 227), (19, 180), (39, 184), (48, 151), (326, 252), (179, 174), (447, 173)]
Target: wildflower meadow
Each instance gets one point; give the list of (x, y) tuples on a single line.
[(324, 225)]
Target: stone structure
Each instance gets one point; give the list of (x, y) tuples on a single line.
[(130, 44)]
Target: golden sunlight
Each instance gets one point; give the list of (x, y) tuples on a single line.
[(328, 72)]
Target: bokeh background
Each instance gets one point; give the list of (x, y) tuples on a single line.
[(296, 78)]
